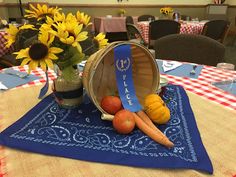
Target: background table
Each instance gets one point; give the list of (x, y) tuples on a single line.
[(113, 24), (201, 86), (186, 27), (215, 123), (215, 120), (4, 50)]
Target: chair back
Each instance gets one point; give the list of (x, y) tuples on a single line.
[(146, 18), (23, 39), (129, 19), (134, 34), (190, 48), (160, 28), (216, 29)]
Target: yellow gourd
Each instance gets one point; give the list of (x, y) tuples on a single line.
[(156, 109)]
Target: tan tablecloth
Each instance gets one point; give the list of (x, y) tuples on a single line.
[(216, 125)]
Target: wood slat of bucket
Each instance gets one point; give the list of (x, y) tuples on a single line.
[(144, 71), (100, 79), (106, 84)]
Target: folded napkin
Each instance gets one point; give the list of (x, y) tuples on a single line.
[(2, 86), (81, 134), (182, 70), (12, 78), (228, 86), (170, 65)]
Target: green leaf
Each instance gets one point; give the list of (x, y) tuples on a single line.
[(70, 57), (77, 58)]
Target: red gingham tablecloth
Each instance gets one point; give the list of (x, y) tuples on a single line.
[(201, 86), (186, 28), (4, 50)]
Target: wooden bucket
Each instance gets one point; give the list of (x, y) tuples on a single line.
[(99, 77)]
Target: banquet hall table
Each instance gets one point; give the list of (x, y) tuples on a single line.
[(187, 27), (111, 24), (4, 50), (215, 120)]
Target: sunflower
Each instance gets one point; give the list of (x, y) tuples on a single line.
[(40, 12), (48, 25), (70, 32), (40, 53), (12, 32), (83, 18), (166, 10), (100, 40)]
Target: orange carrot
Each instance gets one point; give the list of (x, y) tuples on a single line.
[(146, 119), (156, 135)]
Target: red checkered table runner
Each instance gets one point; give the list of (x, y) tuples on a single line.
[(4, 50), (186, 28)]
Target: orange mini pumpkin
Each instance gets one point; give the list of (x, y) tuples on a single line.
[(156, 109)]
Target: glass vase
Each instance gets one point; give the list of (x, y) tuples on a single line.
[(165, 16), (68, 93)]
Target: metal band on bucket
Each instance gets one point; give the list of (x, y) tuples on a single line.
[(124, 79)]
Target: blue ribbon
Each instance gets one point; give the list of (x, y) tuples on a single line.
[(124, 79)]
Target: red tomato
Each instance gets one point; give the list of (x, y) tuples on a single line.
[(123, 121), (111, 104)]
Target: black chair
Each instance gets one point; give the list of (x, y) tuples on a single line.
[(160, 28), (134, 34), (190, 48), (146, 18), (216, 29), (129, 19)]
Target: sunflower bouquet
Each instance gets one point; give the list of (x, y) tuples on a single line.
[(122, 11), (166, 11), (61, 39)]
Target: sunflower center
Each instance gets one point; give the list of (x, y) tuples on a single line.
[(72, 34), (38, 51)]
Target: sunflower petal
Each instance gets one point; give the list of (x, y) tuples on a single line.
[(82, 36), (52, 56), (33, 64), (70, 40), (43, 65), (23, 53), (25, 61), (79, 48), (55, 50), (45, 8), (49, 63)]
